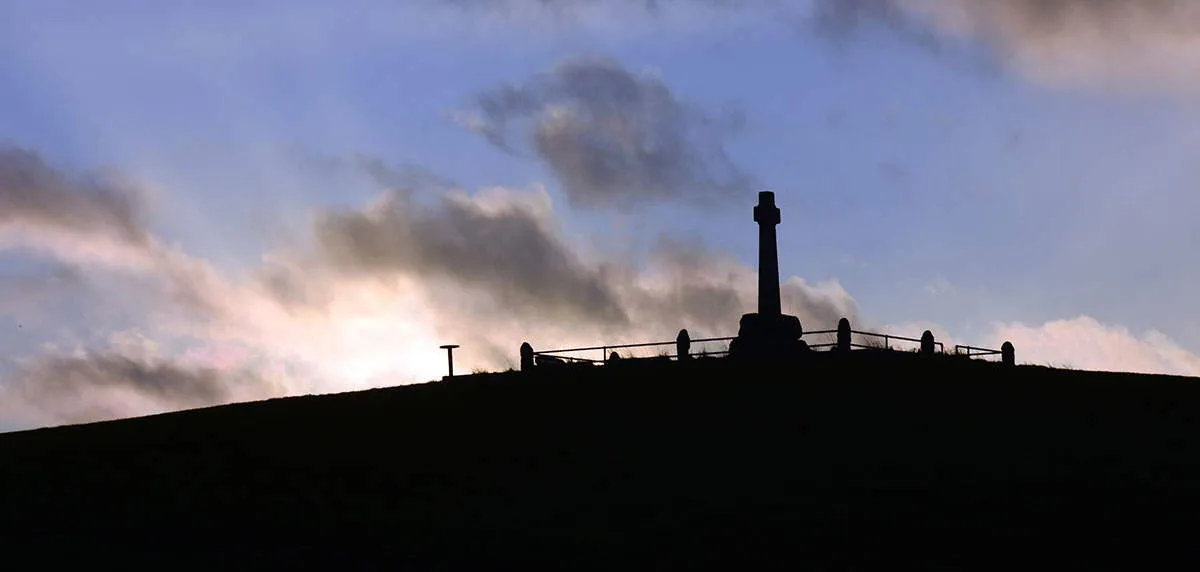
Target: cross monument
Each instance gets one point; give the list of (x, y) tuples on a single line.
[(768, 334)]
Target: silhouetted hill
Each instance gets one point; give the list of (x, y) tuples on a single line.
[(830, 465)]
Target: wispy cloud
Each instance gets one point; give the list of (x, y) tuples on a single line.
[(90, 385), (612, 137), (1140, 45), (1128, 45), (1085, 343), (84, 218), (396, 178)]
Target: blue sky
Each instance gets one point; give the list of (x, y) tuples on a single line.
[(996, 187)]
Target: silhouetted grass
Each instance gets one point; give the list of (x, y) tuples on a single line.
[(881, 459)]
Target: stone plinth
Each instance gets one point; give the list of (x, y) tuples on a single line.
[(768, 337)]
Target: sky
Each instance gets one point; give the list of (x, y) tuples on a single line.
[(203, 203)]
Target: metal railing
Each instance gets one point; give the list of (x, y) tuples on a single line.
[(887, 340), (972, 351), (531, 358), (605, 349)]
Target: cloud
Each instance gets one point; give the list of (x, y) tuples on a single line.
[(396, 178), (502, 252), (117, 382), (1082, 343), (500, 245), (1135, 45), (613, 138), (1127, 44), (504, 246), (1085, 343), (687, 283), (486, 270), (81, 218)]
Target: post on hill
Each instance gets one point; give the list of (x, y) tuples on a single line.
[(683, 345), (526, 357), (843, 336), (1008, 354), (928, 344)]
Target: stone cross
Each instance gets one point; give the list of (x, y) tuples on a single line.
[(766, 214), (768, 334)]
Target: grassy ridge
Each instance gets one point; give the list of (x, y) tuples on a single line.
[(834, 463)]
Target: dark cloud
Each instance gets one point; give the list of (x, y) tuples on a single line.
[(111, 384), (39, 197), (508, 252), (708, 292), (613, 138), (291, 288)]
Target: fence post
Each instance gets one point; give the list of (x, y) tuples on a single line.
[(683, 345), (1008, 354), (526, 357), (927, 343), (843, 335)]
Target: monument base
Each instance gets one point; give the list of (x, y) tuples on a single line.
[(768, 337)]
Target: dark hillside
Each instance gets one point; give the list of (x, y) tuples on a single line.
[(835, 464)]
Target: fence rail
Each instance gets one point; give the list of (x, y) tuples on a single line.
[(972, 351), (683, 347), (887, 340), (558, 354), (605, 349)]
